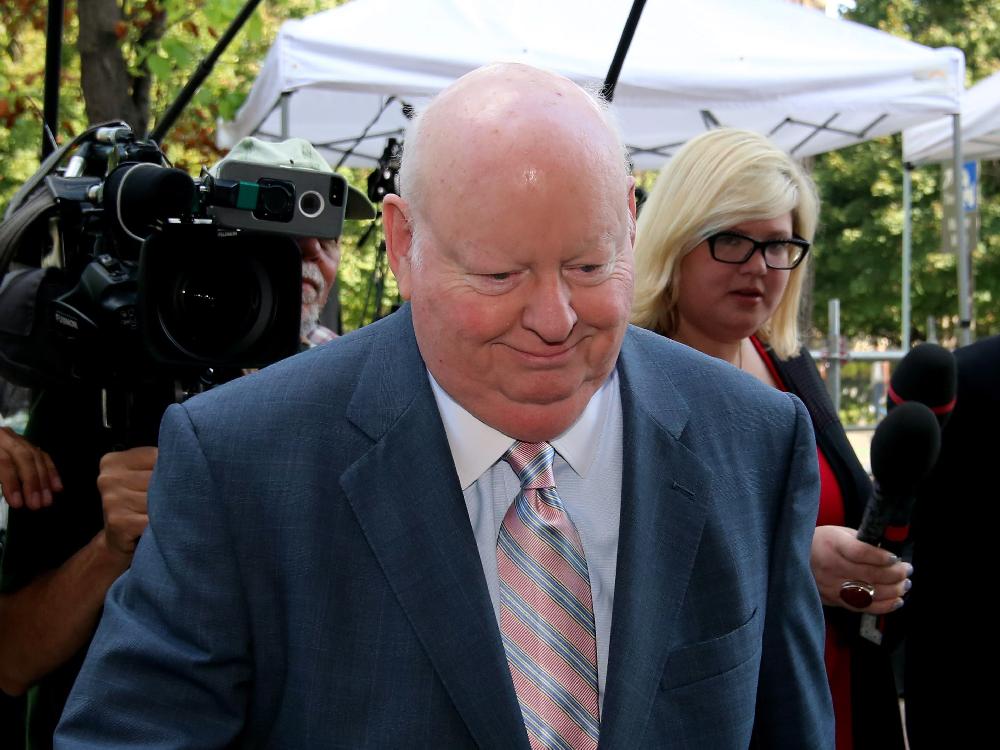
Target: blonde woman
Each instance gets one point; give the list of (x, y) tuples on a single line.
[(721, 252)]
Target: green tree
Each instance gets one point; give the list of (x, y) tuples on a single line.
[(860, 238)]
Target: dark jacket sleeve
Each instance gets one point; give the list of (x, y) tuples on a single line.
[(874, 697)]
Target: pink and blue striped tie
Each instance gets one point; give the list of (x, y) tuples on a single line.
[(546, 611)]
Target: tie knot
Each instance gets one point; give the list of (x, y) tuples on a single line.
[(532, 462)]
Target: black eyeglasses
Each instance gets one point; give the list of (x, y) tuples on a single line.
[(781, 255)]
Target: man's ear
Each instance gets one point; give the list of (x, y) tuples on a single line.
[(631, 206), (398, 241)]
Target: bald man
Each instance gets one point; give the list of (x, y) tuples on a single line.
[(500, 518)]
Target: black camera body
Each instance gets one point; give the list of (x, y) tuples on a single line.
[(200, 296), (155, 277)]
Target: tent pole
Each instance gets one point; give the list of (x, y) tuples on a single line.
[(286, 115), (904, 338), (962, 244), (611, 80), (53, 60), (833, 345)]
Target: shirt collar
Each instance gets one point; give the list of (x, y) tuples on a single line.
[(475, 446)]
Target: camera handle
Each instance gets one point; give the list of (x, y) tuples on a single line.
[(53, 160), (132, 415), (129, 420)]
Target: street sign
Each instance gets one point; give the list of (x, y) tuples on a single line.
[(970, 184), (970, 208)]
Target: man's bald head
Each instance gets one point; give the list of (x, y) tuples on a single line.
[(488, 118)]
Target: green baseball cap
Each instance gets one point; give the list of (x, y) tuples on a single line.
[(300, 154)]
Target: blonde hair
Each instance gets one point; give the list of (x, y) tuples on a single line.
[(720, 179)]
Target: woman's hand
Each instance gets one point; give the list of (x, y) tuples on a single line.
[(837, 556)]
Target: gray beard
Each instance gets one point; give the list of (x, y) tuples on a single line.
[(311, 310), (310, 319)]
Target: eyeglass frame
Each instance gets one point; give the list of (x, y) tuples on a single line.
[(758, 245)]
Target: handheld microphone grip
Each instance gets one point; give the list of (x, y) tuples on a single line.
[(904, 449), (886, 522)]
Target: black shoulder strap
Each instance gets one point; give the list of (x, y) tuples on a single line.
[(12, 231)]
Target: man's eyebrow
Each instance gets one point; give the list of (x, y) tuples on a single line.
[(605, 241)]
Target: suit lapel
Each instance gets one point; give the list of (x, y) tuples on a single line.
[(664, 505), (405, 494)]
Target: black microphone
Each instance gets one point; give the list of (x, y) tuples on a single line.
[(904, 449), (927, 374), (137, 195)]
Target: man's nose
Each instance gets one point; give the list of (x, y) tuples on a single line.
[(549, 311), (308, 247)]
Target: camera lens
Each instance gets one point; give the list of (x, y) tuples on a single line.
[(311, 204), (275, 200), (209, 298), (215, 310)]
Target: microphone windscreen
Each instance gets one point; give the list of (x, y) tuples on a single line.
[(926, 374), (905, 448), (139, 194)]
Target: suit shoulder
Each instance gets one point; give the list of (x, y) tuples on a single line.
[(696, 376)]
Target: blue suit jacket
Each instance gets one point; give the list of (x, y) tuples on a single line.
[(309, 577)]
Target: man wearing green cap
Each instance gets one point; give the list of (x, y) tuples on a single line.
[(320, 257), (70, 537)]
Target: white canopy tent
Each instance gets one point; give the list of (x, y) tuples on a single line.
[(933, 142), (343, 78), (945, 141)]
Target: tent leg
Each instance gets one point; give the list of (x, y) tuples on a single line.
[(53, 60), (286, 115), (833, 345), (962, 245), (904, 337)]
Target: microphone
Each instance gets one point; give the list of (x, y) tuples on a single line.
[(927, 374), (904, 449), (139, 194)]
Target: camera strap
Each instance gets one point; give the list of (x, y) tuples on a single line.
[(12, 231)]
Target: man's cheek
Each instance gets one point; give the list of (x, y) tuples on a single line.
[(605, 308), (328, 268), (481, 321)]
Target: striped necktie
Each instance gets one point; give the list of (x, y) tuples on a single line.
[(546, 612)]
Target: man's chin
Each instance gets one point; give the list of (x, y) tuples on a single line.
[(546, 397), (534, 423), (551, 388)]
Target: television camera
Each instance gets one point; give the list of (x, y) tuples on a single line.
[(150, 281)]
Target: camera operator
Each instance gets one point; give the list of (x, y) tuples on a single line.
[(79, 507)]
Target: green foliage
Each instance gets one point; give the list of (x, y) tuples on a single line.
[(361, 267), (862, 396), (192, 29), (859, 244)]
